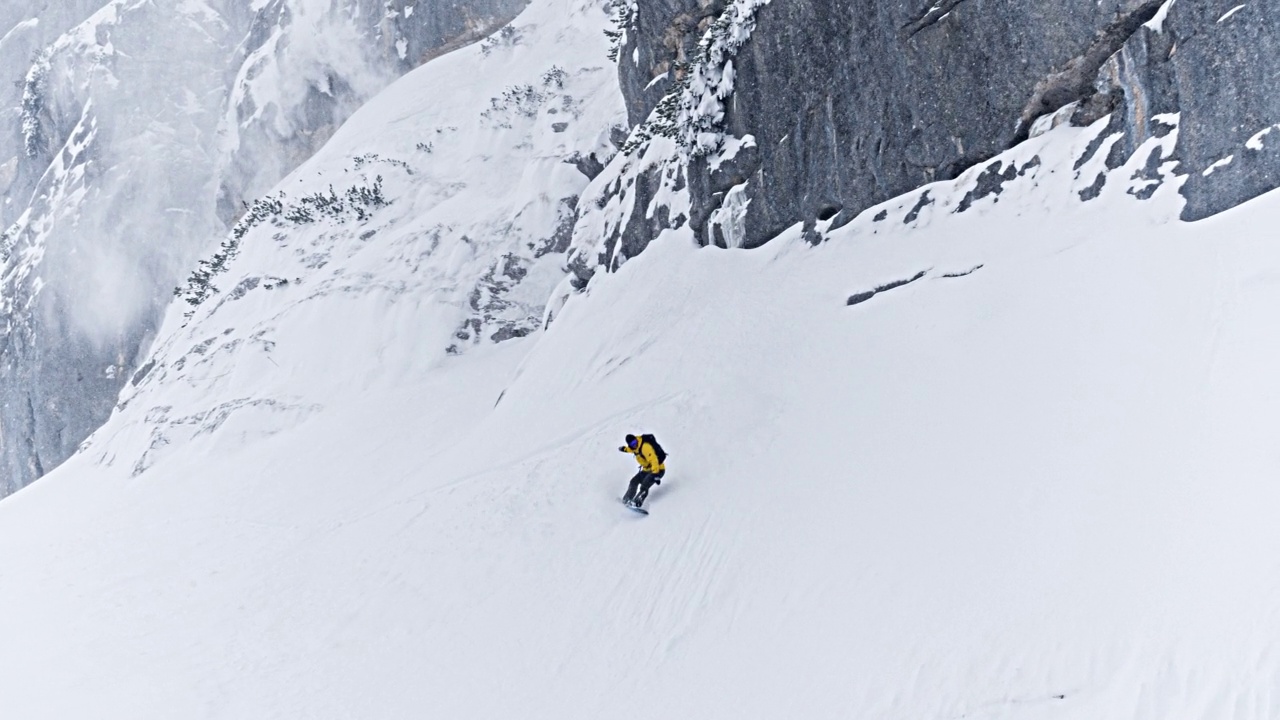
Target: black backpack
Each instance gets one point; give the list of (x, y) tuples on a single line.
[(657, 449)]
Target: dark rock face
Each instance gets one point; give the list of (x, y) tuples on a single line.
[(1226, 73), (662, 37), (53, 398), (1215, 68), (429, 31), (1075, 81), (851, 102), (854, 101)]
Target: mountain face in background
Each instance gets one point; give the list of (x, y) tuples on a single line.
[(135, 137), (140, 131)]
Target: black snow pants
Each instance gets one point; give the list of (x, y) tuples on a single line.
[(640, 484)]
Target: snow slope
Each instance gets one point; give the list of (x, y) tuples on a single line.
[(1039, 490), (472, 157)]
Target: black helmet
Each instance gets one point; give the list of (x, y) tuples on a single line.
[(632, 441)]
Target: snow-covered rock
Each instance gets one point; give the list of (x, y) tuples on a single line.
[(141, 130)]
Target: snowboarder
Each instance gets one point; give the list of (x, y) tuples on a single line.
[(651, 457)]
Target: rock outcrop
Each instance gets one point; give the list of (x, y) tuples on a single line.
[(1223, 60), (836, 105)]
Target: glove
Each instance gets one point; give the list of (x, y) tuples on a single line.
[(622, 448)]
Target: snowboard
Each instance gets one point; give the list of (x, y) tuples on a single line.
[(633, 508)]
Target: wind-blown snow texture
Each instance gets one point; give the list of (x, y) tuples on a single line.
[(1034, 482), (142, 127)]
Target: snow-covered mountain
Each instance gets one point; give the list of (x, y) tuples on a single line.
[(453, 218), (990, 447), (138, 133), (744, 118)]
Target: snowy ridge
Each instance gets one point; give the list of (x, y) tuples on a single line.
[(465, 248), (1032, 481), (221, 99)]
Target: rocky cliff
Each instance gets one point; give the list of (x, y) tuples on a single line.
[(761, 114)]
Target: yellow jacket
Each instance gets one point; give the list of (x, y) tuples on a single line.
[(645, 455)]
